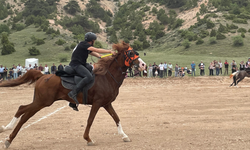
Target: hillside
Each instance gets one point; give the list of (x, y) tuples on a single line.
[(205, 28)]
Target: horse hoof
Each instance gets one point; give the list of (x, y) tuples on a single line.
[(1, 129), (91, 143), (126, 139), (6, 144)]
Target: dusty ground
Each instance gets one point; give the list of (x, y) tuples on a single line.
[(187, 113)]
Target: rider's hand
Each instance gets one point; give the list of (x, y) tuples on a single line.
[(112, 52)]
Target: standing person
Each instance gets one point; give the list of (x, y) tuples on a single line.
[(242, 65), (176, 70), (211, 69), (165, 69), (1, 78), (53, 69), (217, 68), (145, 72), (78, 63), (221, 65), (35, 67), (193, 68), (156, 71), (170, 68), (1, 70), (131, 74), (40, 68), (201, 64), (233, 66), (202, 67), (226, 67), (161, 67), (60, 67), (150, 71), (19, 68), (154, 68), (11, 73), (248, 63), (15, 70), (23, 70), (30, 67), (46, 69), (5, 72)]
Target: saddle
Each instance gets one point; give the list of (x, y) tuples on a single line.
[(69, 79)]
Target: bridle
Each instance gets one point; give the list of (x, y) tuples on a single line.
[(130, 56)]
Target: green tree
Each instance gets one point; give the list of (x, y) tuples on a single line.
[(238, 41), (199, 41), (72, 7), (210, 24), (212, 40), (186, 43), (60, 42), (4, 28), (203, 9), (213, 33), (98, 44), (220, 36), (137, 45), (8, 47)]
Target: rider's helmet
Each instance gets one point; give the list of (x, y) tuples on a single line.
[(90, 36)]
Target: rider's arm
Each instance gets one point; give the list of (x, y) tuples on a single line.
[(99, 50), (95, 54)]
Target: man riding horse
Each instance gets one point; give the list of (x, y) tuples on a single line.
[(78, 63)]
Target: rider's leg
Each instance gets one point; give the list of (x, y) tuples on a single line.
[(87, 77)]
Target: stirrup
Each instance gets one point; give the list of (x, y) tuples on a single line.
[(74, 106)]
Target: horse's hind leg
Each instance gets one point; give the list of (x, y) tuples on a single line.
[(28, 111), (109, 108), (11, 125)]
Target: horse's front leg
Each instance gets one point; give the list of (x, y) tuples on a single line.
[(92, 114), (109, 108)]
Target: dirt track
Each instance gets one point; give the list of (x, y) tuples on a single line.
[(187, 113)]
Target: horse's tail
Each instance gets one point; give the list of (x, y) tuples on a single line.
[(30, 76), (234, 74)]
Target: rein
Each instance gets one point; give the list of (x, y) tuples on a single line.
[(120, 68)]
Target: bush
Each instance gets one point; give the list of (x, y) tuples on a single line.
[(4, 28), (233, 31), (19, 27), (238, 41), (238, 20), (213, 33), (60, 42), (220, 36), (243, 35), (63, 58), (210, 24), (39, 41), (67, 48), (249, 30), (73, 45), (222, 29), (204, 33), (186, 43), (8, 47), (199, 41), (232, 26), (98, 44), (242, 30), (34, 51), (212, 40), (72, 7)]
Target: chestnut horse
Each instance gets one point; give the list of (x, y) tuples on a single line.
[(49, 89)]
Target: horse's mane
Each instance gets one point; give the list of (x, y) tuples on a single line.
[(103, 63)]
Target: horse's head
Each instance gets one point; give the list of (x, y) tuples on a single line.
[(131, 57)]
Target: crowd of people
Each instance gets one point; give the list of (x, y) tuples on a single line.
[(161, 70), (168, 70)]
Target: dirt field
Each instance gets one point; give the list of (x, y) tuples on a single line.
[(176, 113)]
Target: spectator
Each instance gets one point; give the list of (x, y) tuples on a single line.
[(202, 68), (154, 68), (60, 67), (15, 71), (1, 70), (193, 68), (5, 72), (185, 68), (11, 73), (226, 67), (201, 64), (211, 69), (248, 63), (233, 66), (150, 71), (8, 77), (170, 68), (217, 68), (165, 69), (28, 68), (242, 65), (23, 70), (156, 72), (161, 67), (176, 70), (145, 72), (220, 63), (19, 70), (130, 72), (53, 69), (36, 67), (136, 72), (46, 69), (188, 71), (40, 68), (181, 71)]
